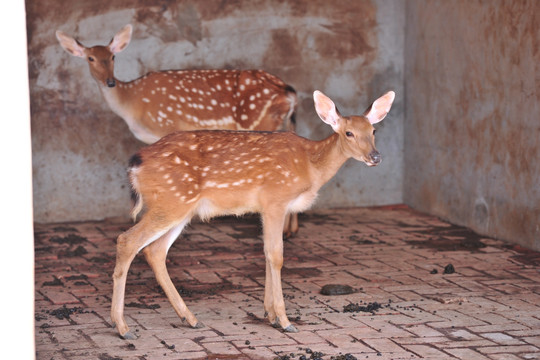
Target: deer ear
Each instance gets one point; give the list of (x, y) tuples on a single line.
[(326, 109), (380, 107), (121, 40), (69, 44)]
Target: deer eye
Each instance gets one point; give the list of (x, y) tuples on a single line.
[(113, 57), (349, 134), (90, 58)]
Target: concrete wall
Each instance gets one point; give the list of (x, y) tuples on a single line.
[(351, 50), (472, 134)]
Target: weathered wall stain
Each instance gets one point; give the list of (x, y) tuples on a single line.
[(80, 148), (472, 134)]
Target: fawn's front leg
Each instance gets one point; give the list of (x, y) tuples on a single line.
[(273, 249)]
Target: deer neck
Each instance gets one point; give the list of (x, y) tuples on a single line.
[(115, 96), (119, 98), (327, 157)]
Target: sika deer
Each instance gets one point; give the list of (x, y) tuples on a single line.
[(163, 102), (211, 173)]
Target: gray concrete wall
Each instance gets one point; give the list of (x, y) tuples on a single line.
[(351, 50), (472, 134)]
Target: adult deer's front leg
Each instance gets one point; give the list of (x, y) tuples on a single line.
[(273, 221)]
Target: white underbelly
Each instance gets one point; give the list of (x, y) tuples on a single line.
[(302, 202)]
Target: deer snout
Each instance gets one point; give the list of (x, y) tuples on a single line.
[(111, 82), (375, 157)]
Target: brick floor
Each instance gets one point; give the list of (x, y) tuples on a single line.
[(489, 308)]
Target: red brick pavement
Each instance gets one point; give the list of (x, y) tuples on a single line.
[(488, 309)]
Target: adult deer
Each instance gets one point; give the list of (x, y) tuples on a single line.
[(163, 102), (211, 173)]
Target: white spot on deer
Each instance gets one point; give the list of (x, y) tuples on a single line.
[(242, 87), (162, 114), (179, 112), (169, 109), (219, 86), (252, 106), (172, 97), (266, 91), (193, 147), (252, 97), (244, 117), (213, 102), (177, 160), (222, 186), (173, 188), (146, 100), (248, 81), (182, 99), (170, 181)]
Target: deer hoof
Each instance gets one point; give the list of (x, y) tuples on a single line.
[(128, 336), (291, 328), (198, 325), (275, 324)]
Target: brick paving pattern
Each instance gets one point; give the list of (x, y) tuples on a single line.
[(488, 308)]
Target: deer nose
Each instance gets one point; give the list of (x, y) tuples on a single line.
[(111, 82), (375, 157)]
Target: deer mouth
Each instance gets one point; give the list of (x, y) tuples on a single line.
[(371, 162)]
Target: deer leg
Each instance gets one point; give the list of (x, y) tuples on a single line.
[(273, 250), (268, 297), (128, 245), (156, 256), (290, 229)]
